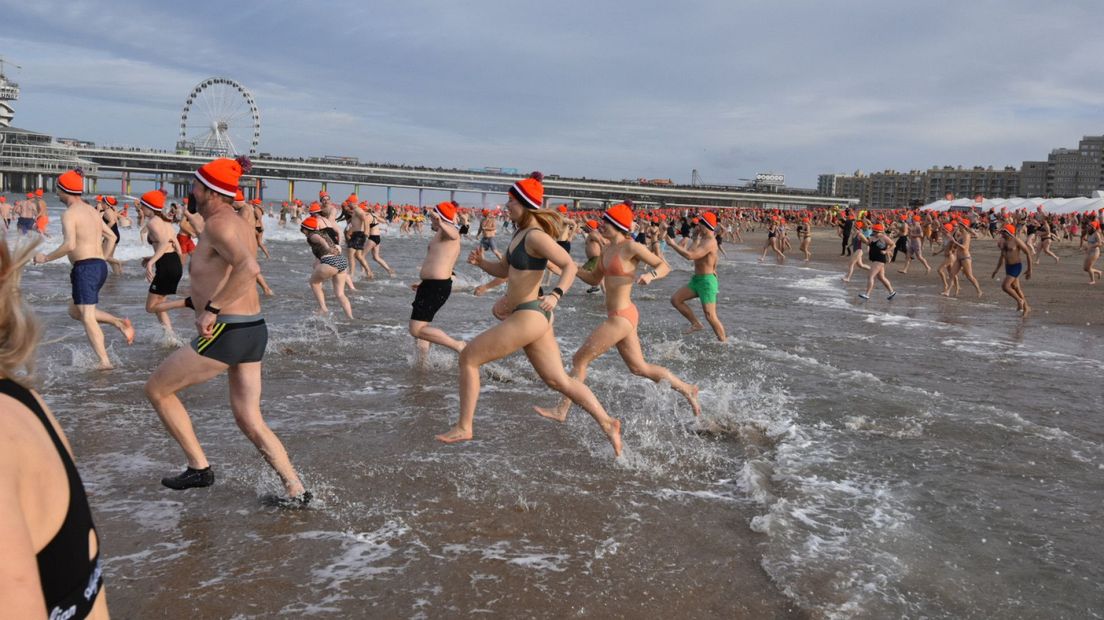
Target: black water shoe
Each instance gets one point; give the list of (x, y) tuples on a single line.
[(190, 479)]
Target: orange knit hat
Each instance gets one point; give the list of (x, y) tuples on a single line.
[(314, 207), (311, 223), (592, 224), (879, 228), (38, 192), (256, 202), (710, 220), (154, 200), (1010, 229), (446, 211), (562, 208), (239, 196), (111, 200), (620, 215), (529, 191), (71, 182), (221, 175)]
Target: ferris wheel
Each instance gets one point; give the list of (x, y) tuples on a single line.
[(220, 118)]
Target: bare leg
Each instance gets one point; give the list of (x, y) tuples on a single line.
[(426, 333), (968, 271), (182, 369), (264, 285), (483, 288), (91, 318), (153, 302), (710, 311), (606, 335), (339, 282), (320, 274), (245, 402), (678, 300), (544, 354), (376, 257), (630, 351), (359, 255)]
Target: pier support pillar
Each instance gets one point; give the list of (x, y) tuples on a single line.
[(484, 199), (389, 194), (291, 190), (452, 195), (420, 192)]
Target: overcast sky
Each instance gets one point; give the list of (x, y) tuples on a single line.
[(612, 90)]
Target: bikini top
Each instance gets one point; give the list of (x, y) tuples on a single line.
[(519, 259), (615, 266), (69, 579)]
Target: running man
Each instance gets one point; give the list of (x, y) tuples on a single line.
[(83, 231), (164, 269), (526, 316), (703, 284), (357, 231), (488, 228), (617, 267), (232, 335), (436, 285), (25, 212), (1011, 256)]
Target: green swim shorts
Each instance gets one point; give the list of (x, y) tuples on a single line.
[(705, 285)]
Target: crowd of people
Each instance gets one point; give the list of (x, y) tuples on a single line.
[(216, 236)]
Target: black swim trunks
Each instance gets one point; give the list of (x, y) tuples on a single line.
[(25, 224), (236, 339), (88, 277), (375, 239), (431, 295), (167, 272), (357, 240)]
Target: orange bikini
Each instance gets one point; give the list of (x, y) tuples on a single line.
[(614, 267)]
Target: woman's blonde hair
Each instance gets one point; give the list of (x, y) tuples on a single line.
[(549, 221), (19, 327)]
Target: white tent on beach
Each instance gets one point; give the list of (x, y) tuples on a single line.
[(1055, 206)]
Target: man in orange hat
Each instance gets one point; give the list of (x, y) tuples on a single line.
[(42, 217), (5, 212), (703, 284), (164, 269), (84, 231), (356, 236), (436, 285), (25, 212), (1012, 251), (232, 335)]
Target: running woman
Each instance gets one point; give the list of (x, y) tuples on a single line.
[(805, 235), (854, 248), (84, 231), (164, 269), (915, 245), (329, 264), (617, 268), (258, 224), (1093, 242), (1011, 256), (436, 274), (703, 284), (879, 244), (526, 316), (232, 335), (964, 262), (374, 241)]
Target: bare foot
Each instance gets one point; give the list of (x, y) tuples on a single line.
[(614, 435), (901, 271), (369, 276), (1026, 309), (693, 398), (454, 435), (846, 279), (391, 273), (946, 293), (350, 285), (128, 330), (462, 345), (558, 414), (105, 366), (479, 290), (692, 329)]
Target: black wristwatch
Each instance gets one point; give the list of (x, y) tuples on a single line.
[(211, 309), (558, 291)]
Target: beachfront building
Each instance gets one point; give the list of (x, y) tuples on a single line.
[(969, 182), (888, 189), (1033, 179), (1068, 172)]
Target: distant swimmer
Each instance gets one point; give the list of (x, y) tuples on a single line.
[(526, 316), (617, 267), (232, 335), (83, 231), (164, 269), (329, 264), (961, 238), (914, 244), (703, 284), (258, 224), (436, 274), (1012, 252), (52, 566), (1093, 242), (879, 243)]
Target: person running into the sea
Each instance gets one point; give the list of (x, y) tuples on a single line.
[(1046, 237), (188, 231), (246, 212), (617, 268), (592, 246), (879, 243), (5, 212), (964, 261), (858, 229), (232, 335), (164, 269), (51, 548), (526, 318), (357, 231), (84, 230), (846, 224), (488, 228), (1093, 242), (805, 236), (374, 241), (106, 205), (258, 224), (900, 237), (703, 284), (772, 244), (950, 258), (329, 264), (915, 245), (436, 275), (25, 212), (1012, 251), (42, 216)]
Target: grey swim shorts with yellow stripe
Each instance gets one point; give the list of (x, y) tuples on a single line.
[(235, 339)]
